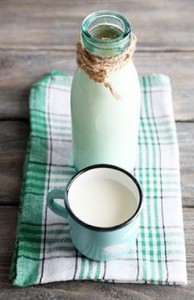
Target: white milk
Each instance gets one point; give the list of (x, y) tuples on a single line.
[(102, 202), (106, 130)]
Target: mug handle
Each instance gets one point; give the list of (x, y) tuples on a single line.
[(55, 207)]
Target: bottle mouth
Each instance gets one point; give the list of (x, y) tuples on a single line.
[(106, 33)]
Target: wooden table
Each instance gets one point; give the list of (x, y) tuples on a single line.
[(39, 36)]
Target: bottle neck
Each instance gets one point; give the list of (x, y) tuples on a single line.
[(106, 33)]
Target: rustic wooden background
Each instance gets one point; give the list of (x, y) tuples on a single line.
[(37, 36)]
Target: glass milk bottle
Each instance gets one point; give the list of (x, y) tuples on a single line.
[(105, 95)]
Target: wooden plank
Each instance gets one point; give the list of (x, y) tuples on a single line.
[(13, 145), (88, 290), (179, 67), (186, 147), (8, 222), (21, 69), (13, 141), (55, 24)]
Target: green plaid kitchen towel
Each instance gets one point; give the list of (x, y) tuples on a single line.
[(44, 252)]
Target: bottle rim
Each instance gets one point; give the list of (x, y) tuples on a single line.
[(120, 43)]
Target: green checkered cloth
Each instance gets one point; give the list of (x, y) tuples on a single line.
[(44, 252)]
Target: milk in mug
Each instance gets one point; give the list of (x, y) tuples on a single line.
[(102, 202)]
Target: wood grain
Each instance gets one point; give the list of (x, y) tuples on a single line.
[(186, 146), (38, 36), (55, 24), (88, 290), (19, 70), (13, 143)]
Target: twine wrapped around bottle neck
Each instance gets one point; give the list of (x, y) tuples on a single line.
[(98, 68)]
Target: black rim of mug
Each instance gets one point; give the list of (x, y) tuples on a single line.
[(96, 228)]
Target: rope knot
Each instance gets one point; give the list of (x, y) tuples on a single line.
[(98, 68)]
